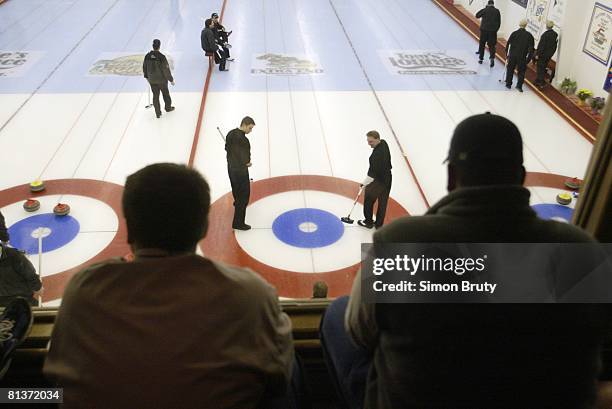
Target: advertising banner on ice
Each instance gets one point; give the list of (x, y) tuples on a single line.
[(285, 64), (121, 64), (429, 62), (598, 40), (17, 63)]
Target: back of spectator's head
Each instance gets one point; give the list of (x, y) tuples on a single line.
[(156, 44), (166, 207), (4, 235), (485, 149)]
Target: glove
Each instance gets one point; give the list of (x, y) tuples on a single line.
[(367, 181)]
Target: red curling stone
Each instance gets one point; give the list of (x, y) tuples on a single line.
[(573, 183), (31, 205), (61, 209)]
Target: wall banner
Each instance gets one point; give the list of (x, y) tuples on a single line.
[(598, 40)]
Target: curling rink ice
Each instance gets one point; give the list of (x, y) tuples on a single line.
[(316, 75)]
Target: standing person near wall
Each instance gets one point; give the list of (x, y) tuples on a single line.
[(238, 150), (157, 71), (489, 25), (546, 49), (519, 50), (377, 183)]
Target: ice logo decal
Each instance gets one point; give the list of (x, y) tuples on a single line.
[(121, 64), (419, 62), (283, 64), (16, 63)]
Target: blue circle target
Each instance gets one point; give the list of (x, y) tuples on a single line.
[(548, 211), (308, 228), (57, 231)]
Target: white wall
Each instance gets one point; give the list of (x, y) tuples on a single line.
[(573, 62)]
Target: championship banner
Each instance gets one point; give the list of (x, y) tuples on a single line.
[(537, 13), (522, 3), (598, 42), (608, 83)]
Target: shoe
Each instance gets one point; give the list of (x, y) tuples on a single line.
[(479, 61), (509, 86), (520, 89), (170, 109), (492, 63), (477, 52), (15, 324), (231, 59), (365, 224), (158, 115), (243, 227)]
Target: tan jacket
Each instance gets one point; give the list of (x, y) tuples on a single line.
[(169, 332)]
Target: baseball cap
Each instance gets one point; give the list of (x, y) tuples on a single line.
[(214, 15), (486, 138)]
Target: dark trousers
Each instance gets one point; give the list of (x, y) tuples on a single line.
[(347, 364), (376, 191), (241, 190), (220, 58), (156, 88), (520, 63), (541, 69), (489, 38)]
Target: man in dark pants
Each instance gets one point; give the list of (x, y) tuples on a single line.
[(209, 44), (238, 150), (222, 36), (377, 183), (519, 50), (157, 71), (546, 49), (489, 25)]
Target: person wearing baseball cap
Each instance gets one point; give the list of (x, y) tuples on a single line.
[(501, 356), (222, 36), (545, 51)]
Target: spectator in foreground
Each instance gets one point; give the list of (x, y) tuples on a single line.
[(170, 329), (469, 355)]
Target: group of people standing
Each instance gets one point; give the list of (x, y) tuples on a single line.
[(519, 47), (215, 41)]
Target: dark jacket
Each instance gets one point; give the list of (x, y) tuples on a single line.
[(380, 164), (491, 18), (4, 236), (548, 44), (238, 150), (207, 39), (498, 356), (520, 44), (156, 68), (220, 34), (17, 275)]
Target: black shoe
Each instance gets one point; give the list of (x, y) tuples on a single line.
[(509, 86), (158, 115), (477, 52), (225, 69), (479, 61), (15, 324), (231, 59), (492, 63), (170, 109), (365, 224), (520, 89), (242, 227)]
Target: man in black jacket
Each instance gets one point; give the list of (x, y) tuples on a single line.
[(519, 50), (501, 356), (546, 49), (377, 183), (489, 25), (238, 150), (222, 36), (157, 71), (210, 46)]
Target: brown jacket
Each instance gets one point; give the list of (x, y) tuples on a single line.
[(169, 332)]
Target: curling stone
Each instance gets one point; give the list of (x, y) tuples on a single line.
[(31, 205), (573, 183), (564, 198), (61, 209), (37, 186)]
